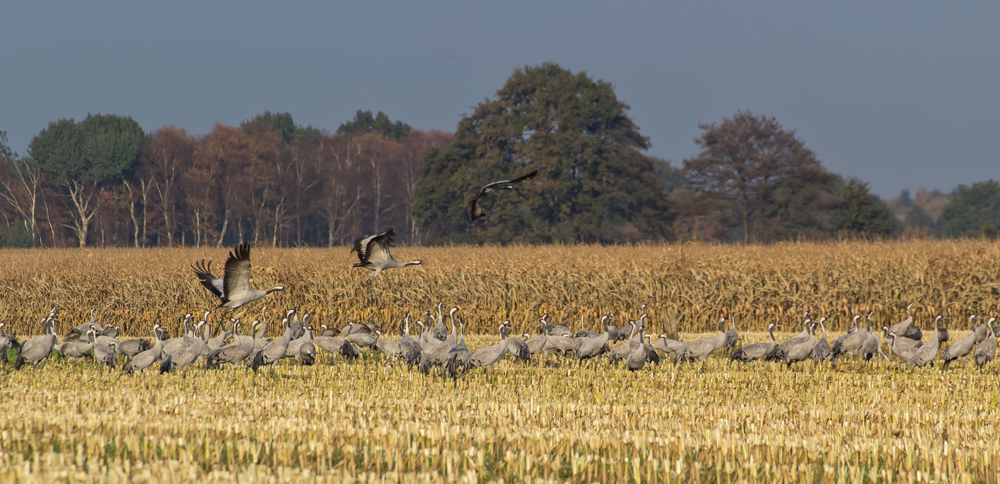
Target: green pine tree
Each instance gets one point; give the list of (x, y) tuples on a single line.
[(972, 210), (863, 213), (364, 122)]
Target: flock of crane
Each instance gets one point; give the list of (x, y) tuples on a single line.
[(437, 348)]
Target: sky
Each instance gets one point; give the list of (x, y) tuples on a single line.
[(898, 94)]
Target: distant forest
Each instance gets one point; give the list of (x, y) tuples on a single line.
[(105, 181)]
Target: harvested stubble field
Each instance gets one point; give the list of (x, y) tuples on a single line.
[(375, 420)]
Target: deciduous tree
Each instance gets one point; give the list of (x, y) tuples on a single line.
[(165, 158), (20, 187), (759, 181), (595, 184)]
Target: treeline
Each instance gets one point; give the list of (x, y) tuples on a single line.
[(104, 181)]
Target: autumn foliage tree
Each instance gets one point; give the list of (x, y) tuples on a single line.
[(165, 159)]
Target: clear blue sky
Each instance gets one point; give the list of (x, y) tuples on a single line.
[(900, 94)]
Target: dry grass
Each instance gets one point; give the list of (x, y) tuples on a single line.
[(558, 422), (374, 421), (687, 287)]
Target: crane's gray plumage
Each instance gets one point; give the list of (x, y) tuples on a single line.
[(233, 289), (373, 253), (440, 331), (476, 209), (489, 355), (235, 353), (363, 340), (436, 353), (926, 353), (298, 326), (669, 346), (183, 358), (755, 351), (79, 349), (900, 341), (35, 350), (838, 342), (106, 354), (336, 346), (554, 329), (243, 338), (458, 356), (821, 351), (176, 344), (216, 342), (732, 337), (987, 349), (408, 346), (295, 345), (801, 350), (622, 351), (872, 344), (535, 345), (613, 333), (963, 346), (906, 328), (273, 351), (636, 358), (701, 348), (79, 332), (389, 347), (594, 346), (132, 347), (780, 350), (651, 355), (517, 347), (562, 342), (426, 340), (850, 344), (146, 359), (258, 338), (905, 353), (307, 353)]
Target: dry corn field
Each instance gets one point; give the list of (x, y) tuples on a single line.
[(374, 419)]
